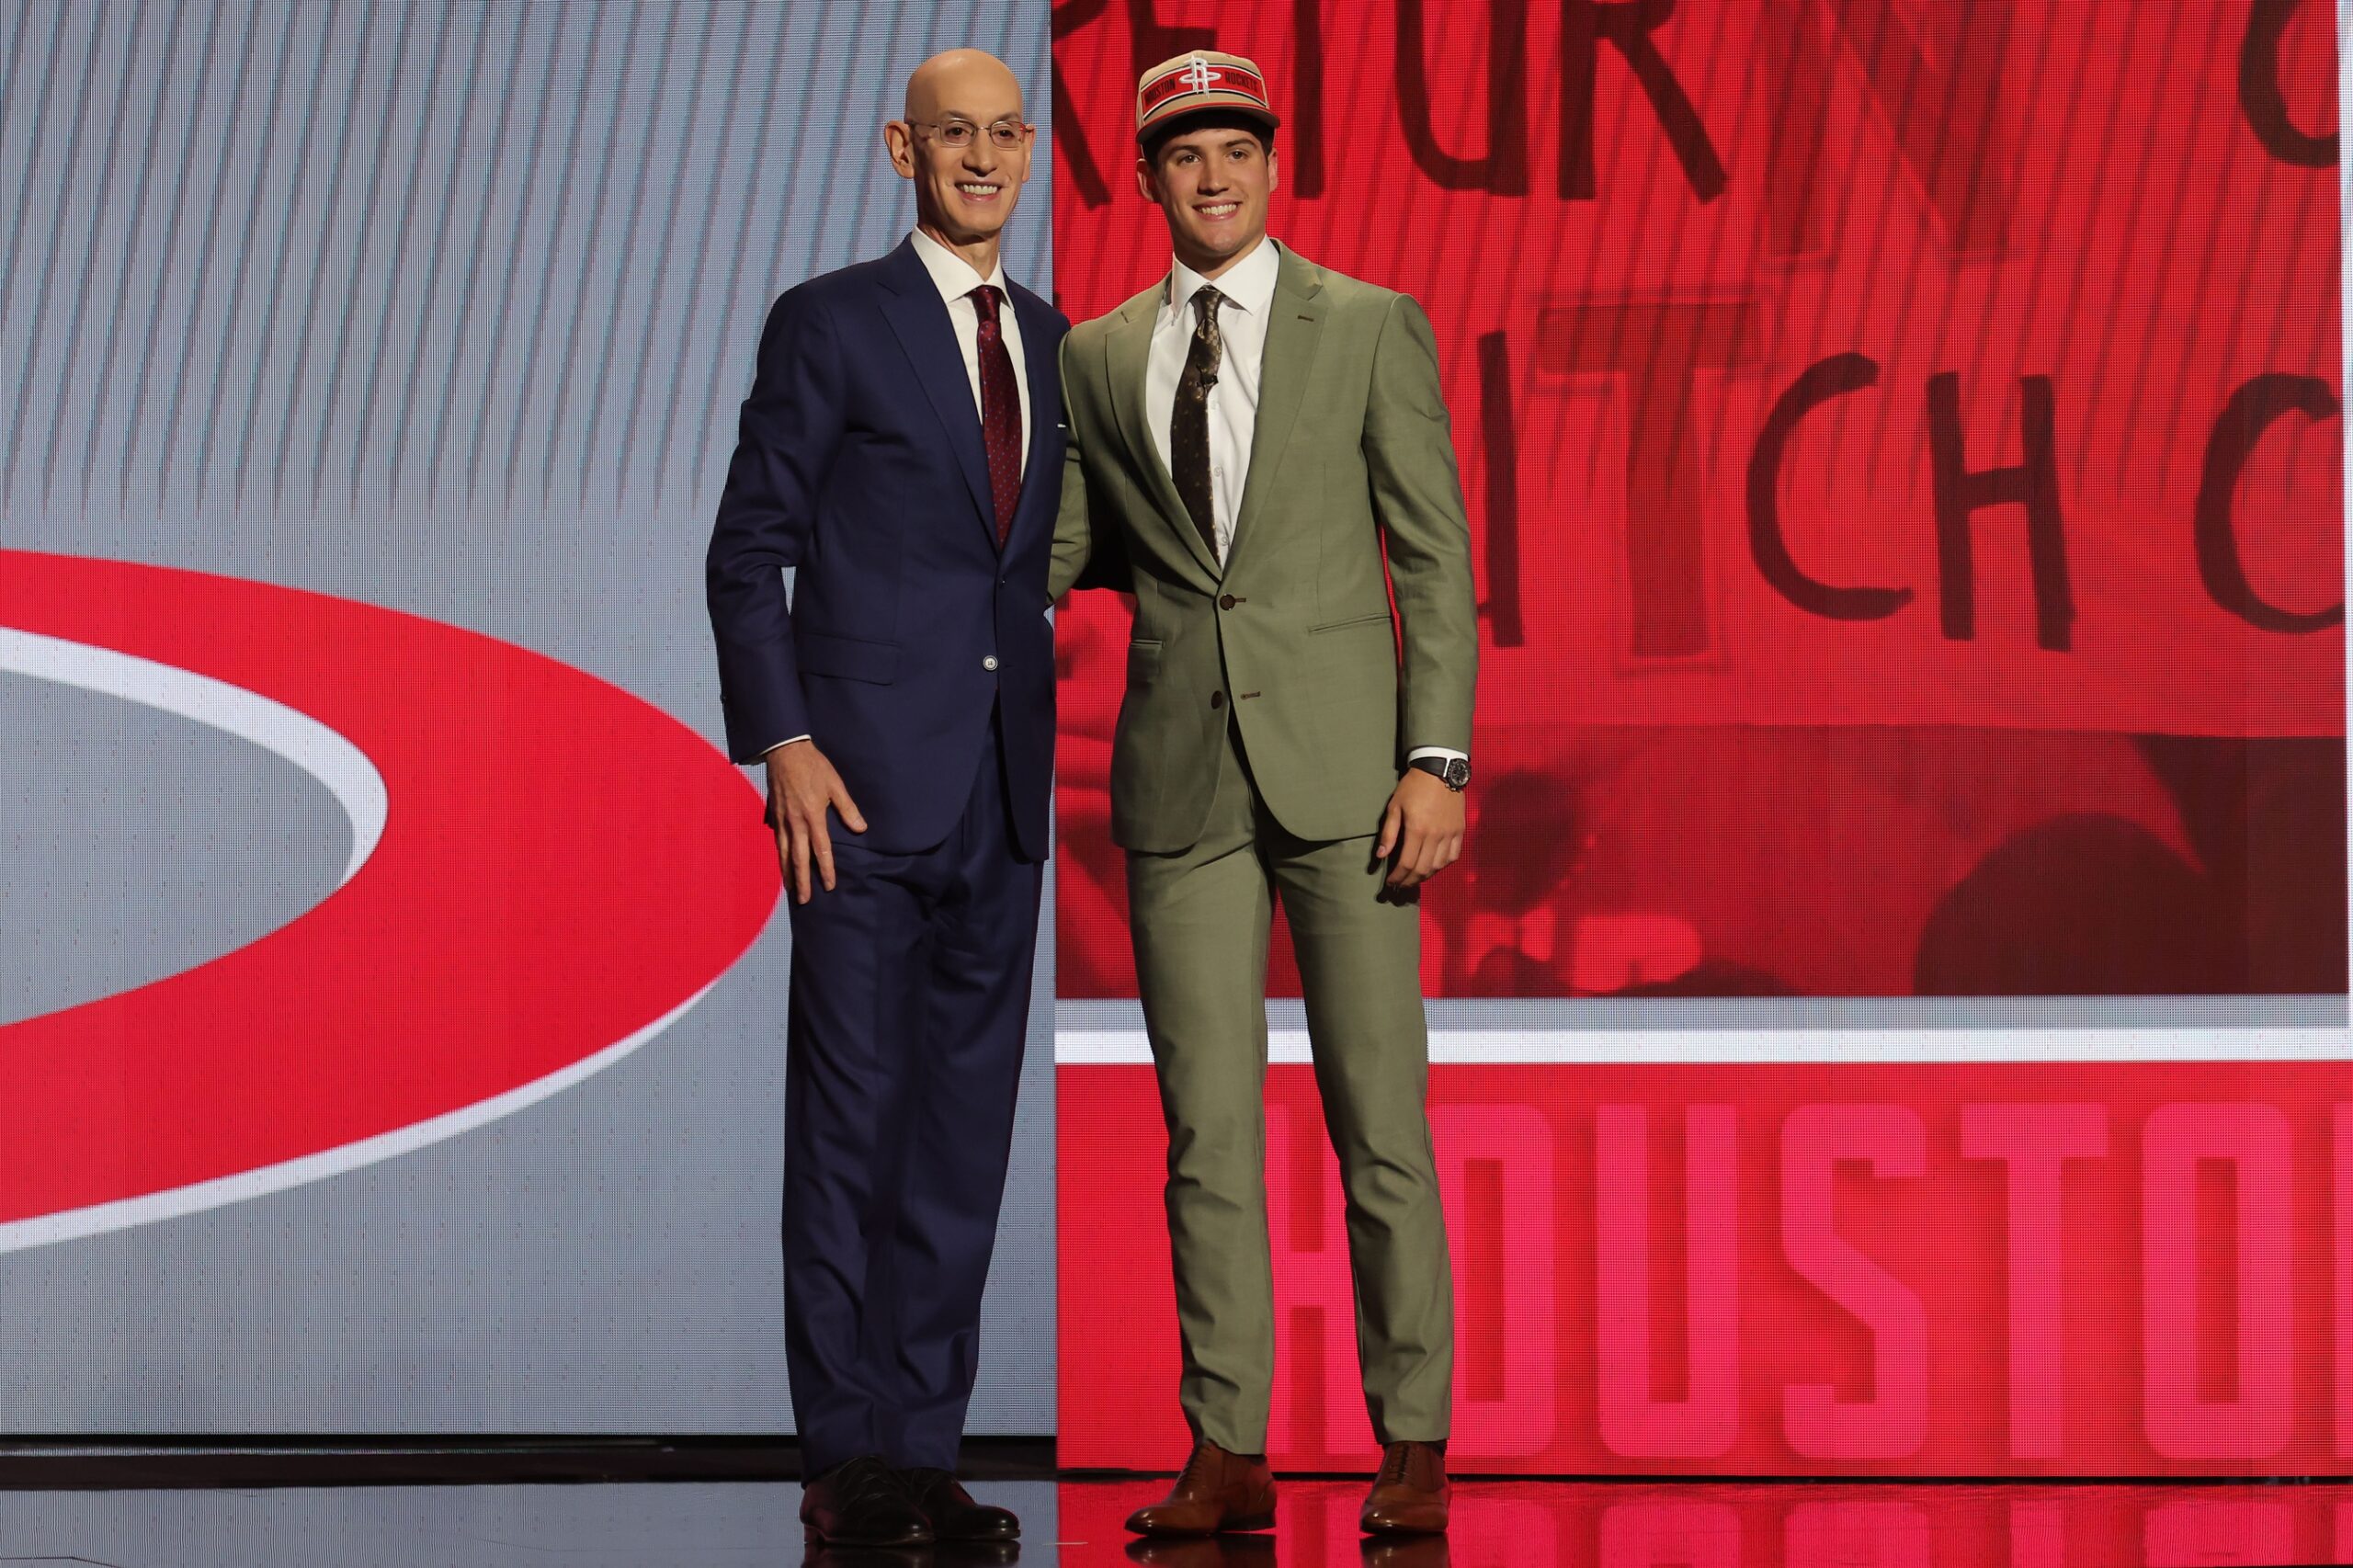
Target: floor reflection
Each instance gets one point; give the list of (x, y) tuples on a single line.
[(1496, 1524), (1260, 1551), (1621, 1524), (990, 1554)]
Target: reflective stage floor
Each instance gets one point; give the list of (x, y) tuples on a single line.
[(1496, 1524)]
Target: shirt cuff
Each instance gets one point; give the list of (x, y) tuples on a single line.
[(1447, 752), (781, 744)]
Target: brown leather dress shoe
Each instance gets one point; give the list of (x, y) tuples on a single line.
[(953, 1514), (861, 1502), (1218, 1491), (1410, 1495)]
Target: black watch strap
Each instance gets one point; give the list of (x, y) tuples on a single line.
[(1451, 771)]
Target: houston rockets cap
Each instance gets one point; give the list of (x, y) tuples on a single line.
[(1203, 79)]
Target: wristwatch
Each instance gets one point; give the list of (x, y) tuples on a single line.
[(1454, 772)]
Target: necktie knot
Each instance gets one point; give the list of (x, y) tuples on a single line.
[(984, 301), (1205, 300)]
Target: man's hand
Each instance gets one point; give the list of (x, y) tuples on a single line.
[(1423, 826), (801, 785)]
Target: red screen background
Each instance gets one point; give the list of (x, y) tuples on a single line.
[(1692, 266)]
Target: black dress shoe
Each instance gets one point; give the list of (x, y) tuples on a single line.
[(861, 1502), (953, 1514)]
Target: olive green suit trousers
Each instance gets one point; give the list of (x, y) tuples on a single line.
[(1266, 720)]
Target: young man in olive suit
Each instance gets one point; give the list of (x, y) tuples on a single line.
[(1247, 438)]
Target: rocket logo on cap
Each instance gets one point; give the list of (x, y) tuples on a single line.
[(1202, 80)]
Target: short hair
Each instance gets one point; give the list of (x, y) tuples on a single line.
[(1213, 118)]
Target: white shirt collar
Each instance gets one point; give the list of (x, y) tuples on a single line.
[(1249, 283), (951, 274)]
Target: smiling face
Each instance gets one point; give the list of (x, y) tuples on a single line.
[(1211, 181), (963, 195)]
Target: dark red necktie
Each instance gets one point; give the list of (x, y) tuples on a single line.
[(1000, 411)]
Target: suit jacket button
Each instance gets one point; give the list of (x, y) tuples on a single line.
[(1217, 699), (1226, 602), (989, 663)]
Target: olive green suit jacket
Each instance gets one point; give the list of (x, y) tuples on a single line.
[(1294, 639)]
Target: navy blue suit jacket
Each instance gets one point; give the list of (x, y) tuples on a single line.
[(860, 465)]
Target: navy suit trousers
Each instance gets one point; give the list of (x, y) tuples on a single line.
[(910, 1005)]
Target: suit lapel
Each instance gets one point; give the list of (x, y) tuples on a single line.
[(1294, 327), (1128, 348), (916, 314)]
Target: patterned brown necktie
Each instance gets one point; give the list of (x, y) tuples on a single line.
[(1188, 426)]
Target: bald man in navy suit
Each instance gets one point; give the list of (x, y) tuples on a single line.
[(901, 451)]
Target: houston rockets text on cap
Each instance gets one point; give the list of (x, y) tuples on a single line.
[(1202, 80)]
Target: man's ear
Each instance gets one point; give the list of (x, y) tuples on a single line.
[(1144, 182), (899, 141), (1274, 172)]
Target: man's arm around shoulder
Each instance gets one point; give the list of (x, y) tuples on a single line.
[(1089, 552)]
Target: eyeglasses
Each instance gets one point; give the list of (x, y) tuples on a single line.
[(960, 133)]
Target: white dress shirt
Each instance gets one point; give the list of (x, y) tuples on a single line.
[(956, 279), (1249, 289)]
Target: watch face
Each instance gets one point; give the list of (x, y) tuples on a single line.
[(1457, 772)]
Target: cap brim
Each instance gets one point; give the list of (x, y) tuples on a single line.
[(1205, 103)]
